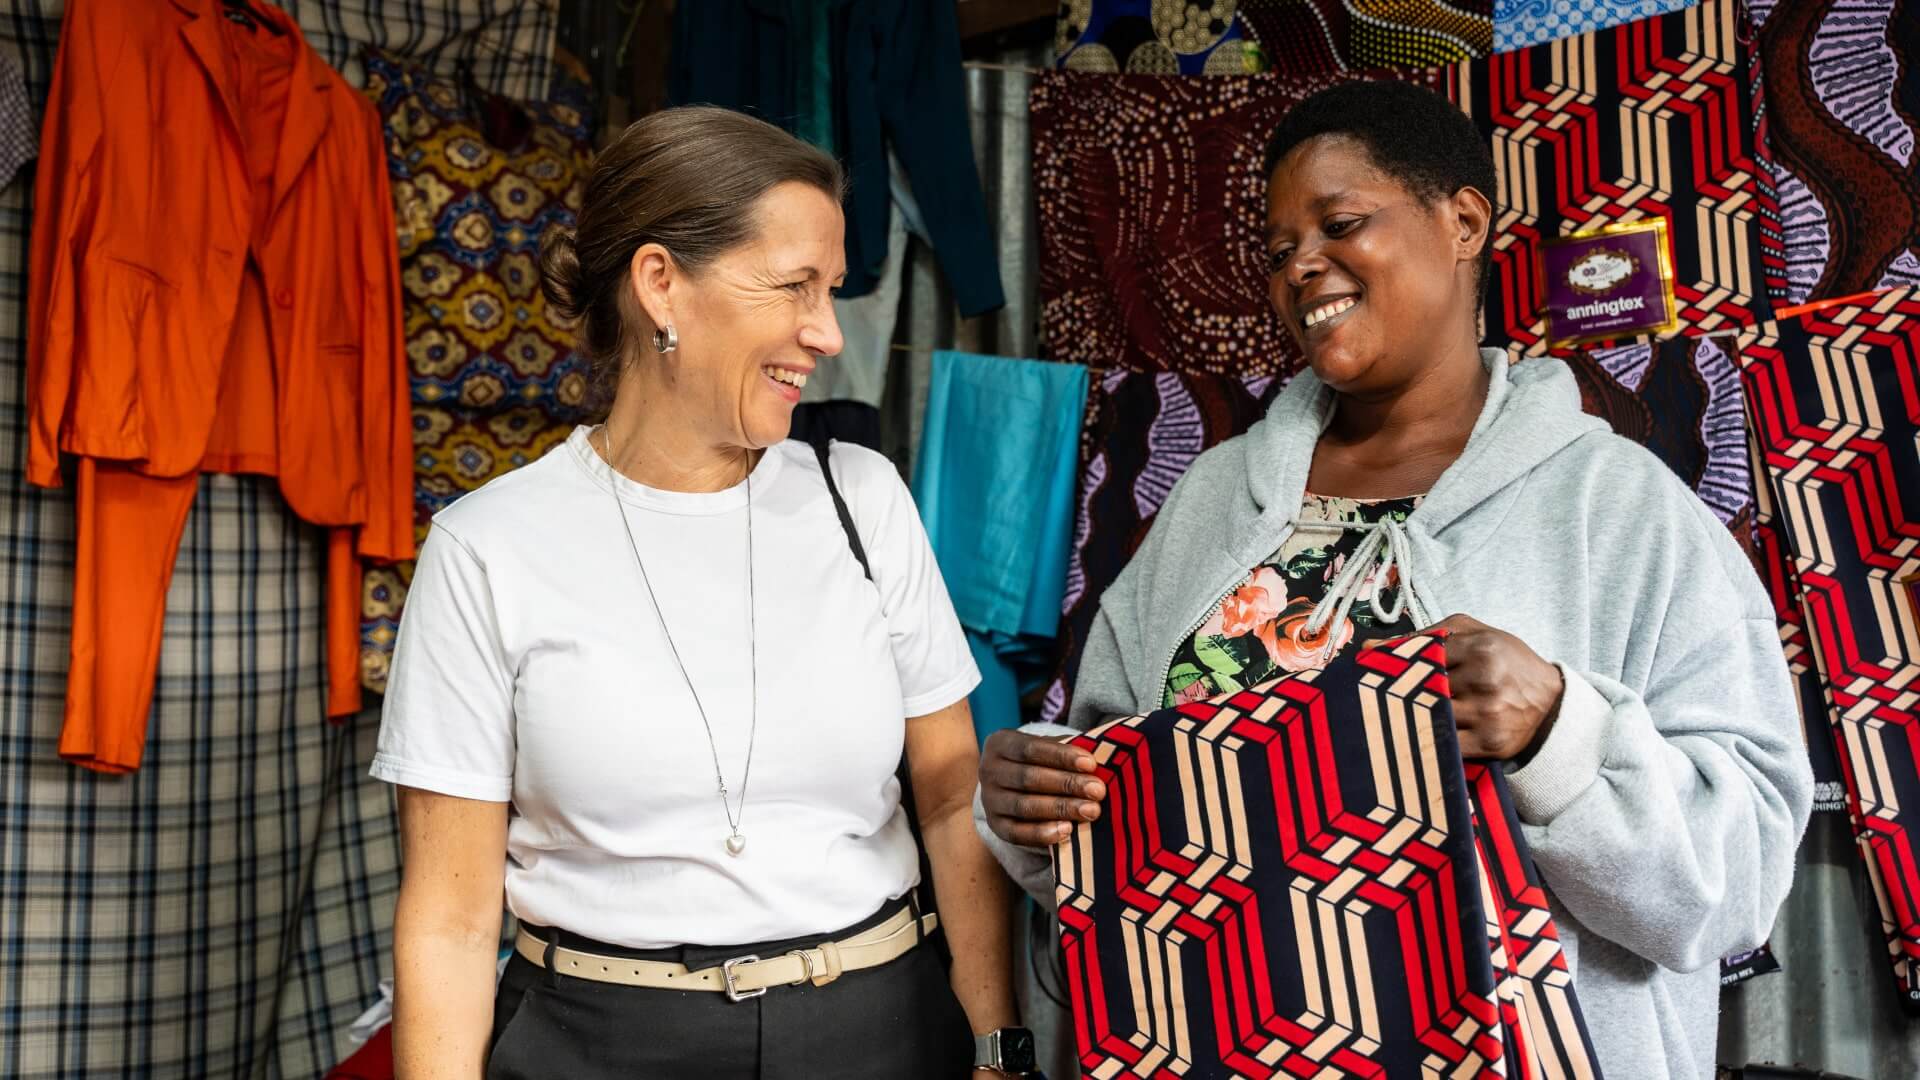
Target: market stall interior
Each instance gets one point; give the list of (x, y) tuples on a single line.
[(271, 299)]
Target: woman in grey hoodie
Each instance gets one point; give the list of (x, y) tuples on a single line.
[(1610, 642)]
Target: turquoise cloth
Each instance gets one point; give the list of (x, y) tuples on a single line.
[(994, 478)]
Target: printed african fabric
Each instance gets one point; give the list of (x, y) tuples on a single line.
[(1151, 208), (496, 382), (1520, 23), (1650, 120), (1303, 878), (1681, 399), (1154, 37), (1298, 37), (1258, 630), (1141, 433), (1841, 122), (1831, 396)]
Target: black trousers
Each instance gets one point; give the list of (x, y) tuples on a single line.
[(899, 1021)]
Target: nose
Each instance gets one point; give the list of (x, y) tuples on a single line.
[(1306, 264), (820, 332)]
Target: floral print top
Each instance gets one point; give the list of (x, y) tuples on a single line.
[(1258, 631)]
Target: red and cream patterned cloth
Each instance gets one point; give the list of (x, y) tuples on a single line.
[(1304, 879), (1834, 401)]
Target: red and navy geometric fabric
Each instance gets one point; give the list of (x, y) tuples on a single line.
[(1834, 401), (1304, 879)]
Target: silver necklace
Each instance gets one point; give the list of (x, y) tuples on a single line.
[(736, 842)]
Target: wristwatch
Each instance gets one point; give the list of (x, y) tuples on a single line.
[(1010, 1050)]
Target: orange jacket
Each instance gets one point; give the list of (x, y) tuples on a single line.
[(147, 214)]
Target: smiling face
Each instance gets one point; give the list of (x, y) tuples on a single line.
[(1365, 274), (755, 322)]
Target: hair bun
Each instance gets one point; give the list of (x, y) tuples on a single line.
[(561, 279)]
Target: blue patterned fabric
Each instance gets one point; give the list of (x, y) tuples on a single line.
[(1520, 23)]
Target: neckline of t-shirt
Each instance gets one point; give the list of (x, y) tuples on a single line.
[(1366, 502), (690, 503)]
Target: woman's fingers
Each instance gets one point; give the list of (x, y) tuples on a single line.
[(1034, 790)]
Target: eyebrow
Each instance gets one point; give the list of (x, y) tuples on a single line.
[(809, 272)]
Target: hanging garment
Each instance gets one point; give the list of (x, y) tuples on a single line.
[(1830, 398), (898, 88), (495, 382), (19, 141), (1681, 399), (1151, 207), (1842, 126), (1650, 120), (994, 479), (1142, 431), (859, 372), (1298, 37), (1305, 879), (853, 422), (1518, 24), (1153, 37), (237, 315)]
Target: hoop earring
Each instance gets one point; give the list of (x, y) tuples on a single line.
[(666, 339)]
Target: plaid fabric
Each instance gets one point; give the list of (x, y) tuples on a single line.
[(507, 43), (19, 134), (227, 910)]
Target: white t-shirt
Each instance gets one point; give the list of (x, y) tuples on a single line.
[(531, 668)]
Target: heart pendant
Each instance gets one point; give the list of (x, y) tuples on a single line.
[(736, 844)]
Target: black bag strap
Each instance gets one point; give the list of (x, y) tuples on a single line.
[(923, 899)]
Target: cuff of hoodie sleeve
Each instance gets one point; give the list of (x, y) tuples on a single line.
[(1569, 760)]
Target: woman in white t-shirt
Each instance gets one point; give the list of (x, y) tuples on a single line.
[(645, 686)]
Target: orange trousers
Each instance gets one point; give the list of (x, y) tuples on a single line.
[(128, 528)]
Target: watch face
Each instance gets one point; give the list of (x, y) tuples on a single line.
[(1016, 1050)]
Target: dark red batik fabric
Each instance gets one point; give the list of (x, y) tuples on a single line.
[(1304, 879), (1151, 210), (1654, 119), (1302, 36), (1833, 397), (1843, 109), (1142, 431)]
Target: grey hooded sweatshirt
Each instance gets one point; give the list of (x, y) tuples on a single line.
[(1664, 807)]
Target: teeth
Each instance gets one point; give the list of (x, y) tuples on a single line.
[(1322, 314), (786, 375)]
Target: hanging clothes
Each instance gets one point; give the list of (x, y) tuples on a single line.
[(1154, 38), (897, 88), (1141, 433), (494, 379), (1305, 879), (994, 479), (1842, 127), (1829, 396), (214, 288), (19, 141)]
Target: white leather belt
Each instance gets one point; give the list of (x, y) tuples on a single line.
[(744, 977)]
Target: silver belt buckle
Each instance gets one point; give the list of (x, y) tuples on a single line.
[(734, 993)]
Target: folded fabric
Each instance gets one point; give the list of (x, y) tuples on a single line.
[(1153, 37), (1520, 23), (1650, 120), (1841, 125), (1830, 395), (1304, 879), (1142, 431), (1301, 36), (1151, 206), (994, 481)]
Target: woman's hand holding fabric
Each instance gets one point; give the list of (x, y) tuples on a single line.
[(1505, 697), (1035, 790)]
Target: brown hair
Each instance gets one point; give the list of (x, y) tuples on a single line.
[(687, 179)]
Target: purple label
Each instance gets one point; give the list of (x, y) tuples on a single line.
[(1608, 284)]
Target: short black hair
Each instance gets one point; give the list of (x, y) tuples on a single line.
[(1413, 135)]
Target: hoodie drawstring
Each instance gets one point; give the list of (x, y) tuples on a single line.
[(1385, 549)]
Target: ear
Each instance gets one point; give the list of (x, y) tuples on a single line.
[(650, 277), (1472, 214)]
